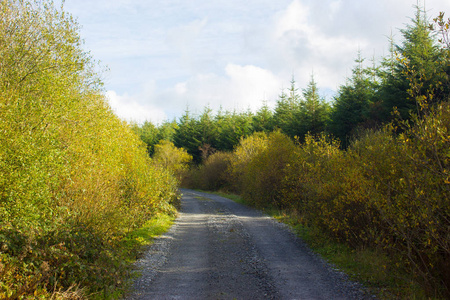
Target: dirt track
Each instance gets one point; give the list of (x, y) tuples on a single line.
[(219, 249)]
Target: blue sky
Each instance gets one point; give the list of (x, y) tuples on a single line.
[(168, 55)]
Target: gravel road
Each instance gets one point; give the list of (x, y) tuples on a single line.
[(218, 249)]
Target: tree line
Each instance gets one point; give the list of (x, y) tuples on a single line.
[(374, 95)]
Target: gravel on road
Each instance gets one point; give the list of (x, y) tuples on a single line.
[(219, 249)]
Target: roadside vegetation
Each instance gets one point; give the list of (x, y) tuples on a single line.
[(364, 178), (366, 174), (79, 195)]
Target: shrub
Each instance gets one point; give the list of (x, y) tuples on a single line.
[(213, 173), (171, 158), (327, 190), (410, 194), (412, 181), (244, 153), (264, 172)]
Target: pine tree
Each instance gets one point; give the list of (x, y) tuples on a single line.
[(287, 110), (207, 133), (314, 112), (148, 134), (232, 127), (166, 131), (441, 28), (412, 70), (187, 136), (354, 103), (263, 120)]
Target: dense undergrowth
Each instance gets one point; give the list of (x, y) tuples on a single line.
[(75, 181), (389, 192)]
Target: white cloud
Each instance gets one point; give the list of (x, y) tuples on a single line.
[(334, 8), (184, 36), (294, 18), (240, 88), (180, 88), (131, 109), (250, 85), (167, 55), (303, 46), (243, 87)]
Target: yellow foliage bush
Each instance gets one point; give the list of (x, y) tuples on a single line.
[(264, 168), (244, 153), (386, 191), (410, 174), (170, 158)]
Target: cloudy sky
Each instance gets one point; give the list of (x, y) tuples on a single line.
[(165, 56)]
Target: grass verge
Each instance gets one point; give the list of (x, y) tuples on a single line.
[(136, 242)]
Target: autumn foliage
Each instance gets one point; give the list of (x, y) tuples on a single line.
[(74, 179)]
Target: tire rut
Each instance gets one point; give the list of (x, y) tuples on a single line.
[(219, 249)]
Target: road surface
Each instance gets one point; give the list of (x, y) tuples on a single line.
[(219, 249)]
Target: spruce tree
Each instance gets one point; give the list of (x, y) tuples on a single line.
[(287, 111), (263, 120), (413, 70), (187, 136), (314, 111), (354, 103)]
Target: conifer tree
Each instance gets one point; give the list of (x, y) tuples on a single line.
[(441, 27), (314, 111), (148, 134), (263, 120), (187, 136), (412, 65), (232, 127), (287, 111), (166, 131), (207, 133), (354, 103)]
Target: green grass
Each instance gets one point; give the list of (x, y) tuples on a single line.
[(155, 227), (235, 198), (379, 273), (133, 246)]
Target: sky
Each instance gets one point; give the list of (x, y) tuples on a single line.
[(168, 56)]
